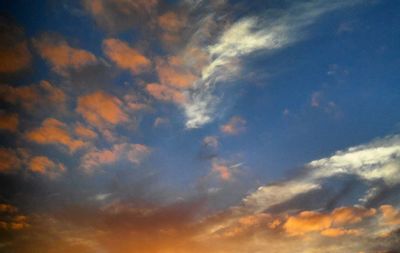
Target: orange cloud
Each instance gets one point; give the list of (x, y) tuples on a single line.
[(9, 122), (96, 158), (335, 232), (62, 56), (53, 131), (125, 57), (9, 160), (165, 93), (160, 121), (43, 165), (85, 132), (390, 215), (100, 108), (14, 52), (169, 21), (234, 126), (222, 170), (7, 208), (118, 15), (33, 96), (174, 73), (311, 221)]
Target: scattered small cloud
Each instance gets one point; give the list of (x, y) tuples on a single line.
[(234, 126), (60, 55)]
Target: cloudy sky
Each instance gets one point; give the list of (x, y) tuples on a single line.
[(221, 126)]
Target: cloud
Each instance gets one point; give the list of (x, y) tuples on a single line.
[(14, 53), (101, 109), (165, 93), (96, 158), (35, 96), (53, 131), (9, 160), (222, 170), (11, 219), (85, 132), (9, 122), (171, 25), (119, 15), (211, 141), (390, 215), (61, 56), (234, 126), (125, 57), (245, 37), (328, 224), (43, 165)]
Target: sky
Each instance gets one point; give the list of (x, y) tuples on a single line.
[(223, 126)]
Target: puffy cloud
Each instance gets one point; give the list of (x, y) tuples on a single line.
[(7, 208), (119, 15), (125, 57), (165, 93), (85, 132), (390, 215), (171, 24), (43, 165), (61, 56), (9, 160), (234, 126), (53, 131), (328, 224), (223, 171), (211, 141), (100, 109), (134, 153), (9, 122), (33, 96), (14, 52)]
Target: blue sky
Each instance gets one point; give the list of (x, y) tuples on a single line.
[(212, 125)]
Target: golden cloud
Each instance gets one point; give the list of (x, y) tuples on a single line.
[(9, 122), (43, 165), (234, 126), (33, 96), (125, 57), (100, 109), (61, 56), (53, 131)]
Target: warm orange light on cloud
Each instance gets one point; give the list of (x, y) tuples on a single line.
[(222, 170), (61, 56), (43, 165), (100, 109), (9, 122), (335, 232), (53, 131), (14, 52), (85, 132), (390, 215), (125, 57), (234, 126), (32, 96), (14, 58), (9, 160), (165, 93), (328, 224), (174, 73), (96, 158)]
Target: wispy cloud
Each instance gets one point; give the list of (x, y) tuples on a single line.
[(244, 37)]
